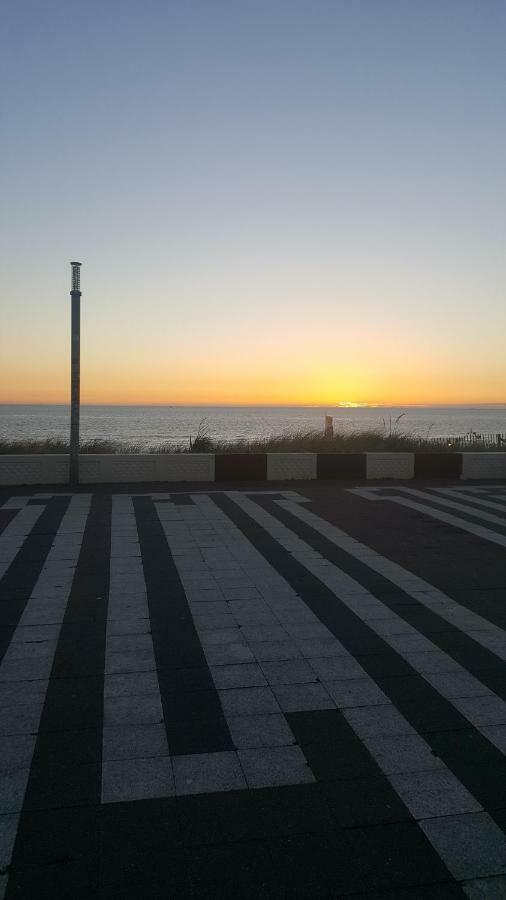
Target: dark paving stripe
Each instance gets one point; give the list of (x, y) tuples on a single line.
[(21, 577), (479, 661), (181, 500), (305, 841), (194, 719), (141, 852), (6, 516), (470, 570), (63, 793), (479, 766), (435, 502), (275, 842), (317, 866)]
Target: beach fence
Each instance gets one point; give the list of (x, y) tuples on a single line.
[(474, 440)]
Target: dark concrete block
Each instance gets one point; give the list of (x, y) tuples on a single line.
[(341, 465), (438, 465), (241, 466)]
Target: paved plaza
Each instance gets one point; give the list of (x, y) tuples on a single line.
[(289, 692)]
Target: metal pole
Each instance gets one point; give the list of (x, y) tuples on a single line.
[(75, 371)]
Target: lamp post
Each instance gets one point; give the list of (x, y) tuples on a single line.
[(75, 371)]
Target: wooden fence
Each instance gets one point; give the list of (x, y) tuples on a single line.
[(474, 440)]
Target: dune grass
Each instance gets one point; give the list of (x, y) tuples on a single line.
[(386, 440)]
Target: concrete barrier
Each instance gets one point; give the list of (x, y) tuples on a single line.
[(207, 467), (34, 469), (483, 465), (287, 466), (390, 465)]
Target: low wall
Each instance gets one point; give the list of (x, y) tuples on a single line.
[(172, 467)]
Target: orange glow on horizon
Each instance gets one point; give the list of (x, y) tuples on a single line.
[(223, 388)]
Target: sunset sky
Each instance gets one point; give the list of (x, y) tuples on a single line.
[(292, 201)]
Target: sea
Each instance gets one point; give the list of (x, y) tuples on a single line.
[(149, 425)]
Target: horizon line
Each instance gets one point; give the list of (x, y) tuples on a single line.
[(343, 405)]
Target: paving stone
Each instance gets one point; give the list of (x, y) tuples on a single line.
[(275, 650), (312, 648), (260, 731), (457, 684), (483, 710), (134, 661), (121, 626), (302, 697), (35, 633), (134, 741), (376, 721), (133, 709), (497, 735), (290, 671), (215, 607), (471, 845), (12, 692), (274, 766), (25, 669), (227, 654), (240, 593), (208, 772), (261, 633), (356, 692), (16, 752), (403, 753), (265, 849), (215, 622), (333, 668), (136, 779), (238, 676), (248, 701), (8, 829), (433, 793), (221, 636), (12, 790), (493, 888), (431, 661), (23, 718), (128, 642), (131, 684)]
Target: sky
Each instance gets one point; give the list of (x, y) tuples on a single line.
[(292, 201)]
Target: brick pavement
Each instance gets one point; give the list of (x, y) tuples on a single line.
[(253, 693)]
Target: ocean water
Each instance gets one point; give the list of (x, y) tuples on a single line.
[(147, 425)]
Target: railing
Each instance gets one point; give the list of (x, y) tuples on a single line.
[(473, 439)]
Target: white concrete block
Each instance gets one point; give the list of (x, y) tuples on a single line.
[(124, 467), (483, 465), (390, 465), (185, 467), (287, 466), (33, 469), (117, 467)]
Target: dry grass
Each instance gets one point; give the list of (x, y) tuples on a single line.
[(387, 440)]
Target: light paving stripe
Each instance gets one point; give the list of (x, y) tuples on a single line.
[(19, 669), (16, 502), (419, 652), (14, 535), (475, 626), (135, 750), (452, 504), (480, 501), (451, 817), (212, 555)]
